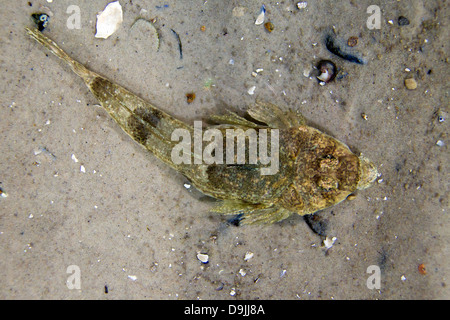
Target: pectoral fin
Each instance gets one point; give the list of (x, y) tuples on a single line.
[(274, 117), (252, 213)]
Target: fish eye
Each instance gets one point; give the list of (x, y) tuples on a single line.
[(328, 162), (43, 17)]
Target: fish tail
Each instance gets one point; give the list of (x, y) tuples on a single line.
[(77, 67), (146, 124)]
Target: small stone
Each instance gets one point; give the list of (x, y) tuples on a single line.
[(190, 97), (410, 84), (352, 41), (403, 21), (269, 26)]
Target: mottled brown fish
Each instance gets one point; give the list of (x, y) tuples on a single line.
[(315, 170)]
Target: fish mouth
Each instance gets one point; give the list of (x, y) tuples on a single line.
[(367, 173)]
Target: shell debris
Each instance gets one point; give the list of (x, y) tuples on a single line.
[(328, 243), (3, 194), (248, 255), (261, 16), (302, 4), (109, 20), (204, 258)]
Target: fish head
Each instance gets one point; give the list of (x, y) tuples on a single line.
[(327, 173)]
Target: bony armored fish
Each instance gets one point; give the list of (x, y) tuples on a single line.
[(314, 171)]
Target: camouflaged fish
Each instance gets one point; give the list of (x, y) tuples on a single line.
[(315, 170)]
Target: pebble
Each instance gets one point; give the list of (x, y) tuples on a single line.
[(352, 41), (403, 21), (410, 84), (269, 26)]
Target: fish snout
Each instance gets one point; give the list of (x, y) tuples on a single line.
[(367, 173)]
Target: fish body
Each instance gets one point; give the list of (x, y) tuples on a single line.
[(315, 171)]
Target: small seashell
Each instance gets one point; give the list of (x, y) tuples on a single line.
[(269, 26), (422, 269), (204, 258), (109, 20), (261, 16), (327, 71)]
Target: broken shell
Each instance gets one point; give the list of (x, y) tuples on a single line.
[(204, 258), (261, 16), (109, 20), (251, 90), (328, 243), (248, 255), (302, 4), (327, 71)]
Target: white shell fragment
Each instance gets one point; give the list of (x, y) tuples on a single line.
[(261, 16), (132, 277), (204, 258), (302, 4), (248, 255), (251, 90), (109, 20), (328, 243), (324, 76)]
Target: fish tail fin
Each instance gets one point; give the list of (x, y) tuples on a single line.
[(86, 74), (146, 124)]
